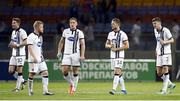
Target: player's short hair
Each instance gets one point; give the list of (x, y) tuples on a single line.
[(116, 20), (73, 18), (37, 23), (156, 19), (18, 20)]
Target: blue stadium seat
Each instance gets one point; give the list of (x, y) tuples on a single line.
[(142, 10), (152, 10), (47, 11), (27, 11), (163, 10), (17, 11), (174, 10), (59, 11), (6, 11), (37, 11), (132, 10)]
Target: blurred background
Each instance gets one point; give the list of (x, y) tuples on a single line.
[(94, 19)]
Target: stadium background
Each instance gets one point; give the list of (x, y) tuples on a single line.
[(98, 13)]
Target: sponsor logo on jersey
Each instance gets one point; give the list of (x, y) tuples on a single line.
[(71, 38), (15, 39), (39, 44)]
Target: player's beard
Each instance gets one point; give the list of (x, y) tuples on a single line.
[(114, 29), (40, 33)]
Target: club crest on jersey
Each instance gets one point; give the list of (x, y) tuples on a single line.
[(39, 44), (114, 41), (71, 38)]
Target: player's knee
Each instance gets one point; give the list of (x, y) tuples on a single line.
[(11, 71), (65, 71), (20, 74), (65, 74), (44, 73), (75, 75), (159, 73), (31, 75), (165, 70)]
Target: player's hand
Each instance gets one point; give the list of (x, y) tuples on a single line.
[(36, 60), (114, 49), (58, 55), (82, 58), (12, 45), (162, 42)]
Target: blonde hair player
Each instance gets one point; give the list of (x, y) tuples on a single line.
[(35, 58)]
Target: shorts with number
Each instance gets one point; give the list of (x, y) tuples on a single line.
[(71, 59), (162, 60), (117, 63), (17, 60), (37, 67)]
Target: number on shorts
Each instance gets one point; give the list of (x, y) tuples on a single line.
[(166, 59), (119, 62), (19, 60)]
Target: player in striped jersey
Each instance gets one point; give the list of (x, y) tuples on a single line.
[(117, 42), (18, 42), (163, 53), (74, 50), (35, 58)]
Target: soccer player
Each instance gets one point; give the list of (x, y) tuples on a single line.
[(17, 43), (74, 50), (163, 53), (117, 42), (35, 58)]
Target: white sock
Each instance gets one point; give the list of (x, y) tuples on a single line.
[(115, 81), (75, 79), (169, 81), (30, 85), (121, 81), (45, 81), (165, 82), (22, 79), (15, 75), (18, 82), (68, 78)]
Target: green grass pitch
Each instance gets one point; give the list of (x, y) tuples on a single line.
[(92, 90)]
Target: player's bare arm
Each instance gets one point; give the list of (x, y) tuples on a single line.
[(60, 46), (24, 43), (30, 49), (108, 44), (82, 49), (12, 45), (167, 41), (124, 47)]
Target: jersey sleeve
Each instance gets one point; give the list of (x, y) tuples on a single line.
[(30, 40), (12, 36), (109, 36), (64, 34), (168, 34), (24, 35), (124, 37), (81, 35)]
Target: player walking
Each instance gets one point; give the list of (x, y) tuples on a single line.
[(163, 53), (18, 42), (117, 42), (74, 50)]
